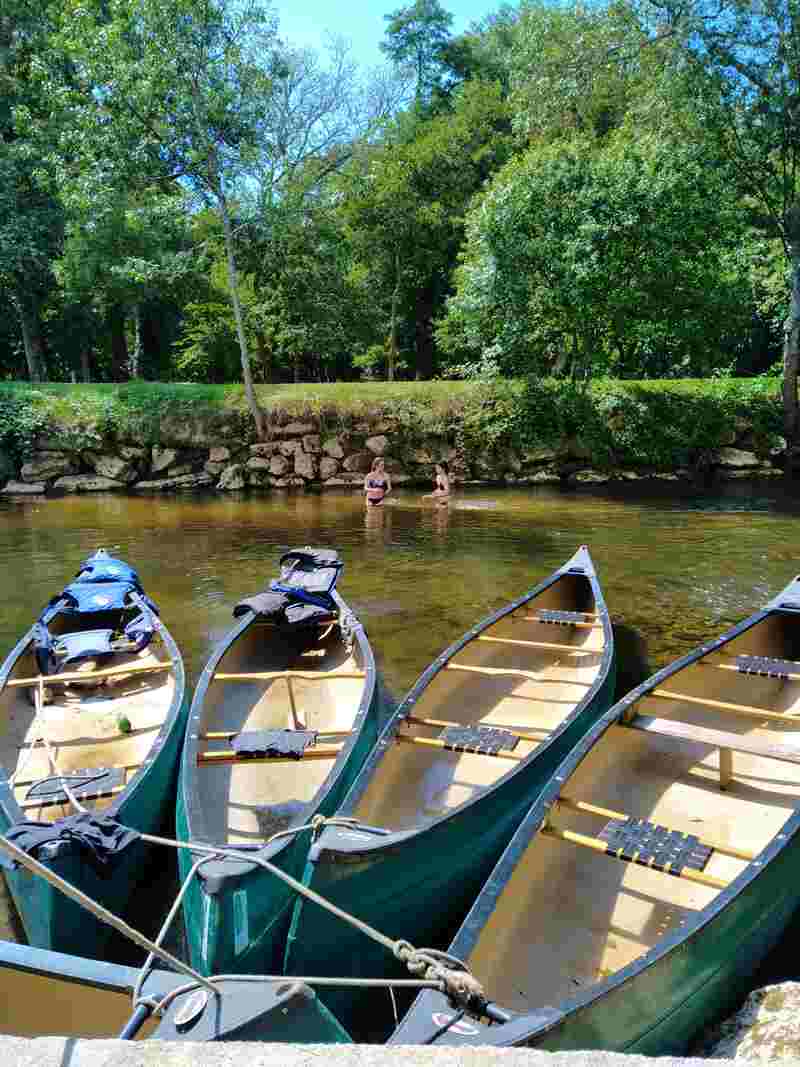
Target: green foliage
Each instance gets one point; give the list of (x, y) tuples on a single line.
[(21, 418), (599, 260), (415, 38)]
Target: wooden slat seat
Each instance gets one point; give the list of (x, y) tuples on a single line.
[(683, 731), (224, 756), (607, 813), (524, 736), (599, 845), (432, 742), (733, 667)]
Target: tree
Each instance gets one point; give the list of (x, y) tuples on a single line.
[(746, 61), (415, 38), (404, 203), (619, 260), (31, 216), (176, 90)]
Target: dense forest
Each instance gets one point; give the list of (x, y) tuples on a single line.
[(563, 190)]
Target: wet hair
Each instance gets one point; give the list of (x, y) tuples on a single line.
[(443, 464)]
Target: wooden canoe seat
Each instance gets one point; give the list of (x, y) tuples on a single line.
[(607, 813), (224, 756), (524, 735), (432, 742), (584, 619), (788, 676), (643, 858), (570, 650), (725, 742)]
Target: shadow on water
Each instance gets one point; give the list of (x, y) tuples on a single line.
[(632, 663)]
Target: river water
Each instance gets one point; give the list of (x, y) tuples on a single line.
[(677, 566)]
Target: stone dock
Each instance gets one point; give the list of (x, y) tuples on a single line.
[(63, 1052)]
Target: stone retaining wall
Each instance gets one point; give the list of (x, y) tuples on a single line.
[(301, 454)]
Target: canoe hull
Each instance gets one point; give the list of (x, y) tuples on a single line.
[(53, 921), (238, 924), (92, 999), (419, 889), (236, 913), (665, 1004)]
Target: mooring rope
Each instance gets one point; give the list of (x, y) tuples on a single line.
[(432, 968)]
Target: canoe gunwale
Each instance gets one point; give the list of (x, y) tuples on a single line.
[(333, 841), (530, 1026), (193, 810), (8, 802)]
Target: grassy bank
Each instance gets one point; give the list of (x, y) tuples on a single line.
[(661, 424)]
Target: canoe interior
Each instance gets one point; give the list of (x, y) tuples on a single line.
[(97, 723), (416, 784), (247, 801), (569, 916)]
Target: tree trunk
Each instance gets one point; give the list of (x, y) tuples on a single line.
[(86, 374), (423, 328), (791, 354), (115, 321), (233, 283), (28, 310), (264, 357), (391, 354)]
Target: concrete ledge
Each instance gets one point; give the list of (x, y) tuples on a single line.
[(69, 1052)]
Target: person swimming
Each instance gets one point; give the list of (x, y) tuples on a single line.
[(377, 483), (441, 484)]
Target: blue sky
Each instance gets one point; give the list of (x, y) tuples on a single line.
[(305, 22)]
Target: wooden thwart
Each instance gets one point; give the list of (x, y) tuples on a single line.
[(435, 743), (207, 759), (569, 649), (268, 676), (684, 731), (492, 725), (746, 710), (86, 676), (598, 845), (514, 671), (606, 813)]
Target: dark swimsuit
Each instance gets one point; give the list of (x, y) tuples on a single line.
[(373, 483)]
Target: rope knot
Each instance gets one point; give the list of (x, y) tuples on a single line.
[(317, 826)]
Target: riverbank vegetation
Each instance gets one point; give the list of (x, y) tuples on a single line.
[(661, 425), (561, 192)]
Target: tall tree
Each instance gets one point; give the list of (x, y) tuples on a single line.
[(31, 216), (177, 90), (746, 60), (416, 37)]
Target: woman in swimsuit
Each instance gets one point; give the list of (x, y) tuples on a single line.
[(441, 484), (377, 484)]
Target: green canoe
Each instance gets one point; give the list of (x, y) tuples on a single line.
[(467, 751), (300, 672), (44, 993), (94, 695), (694, 780)]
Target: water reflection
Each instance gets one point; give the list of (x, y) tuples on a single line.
[(676, 567)]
